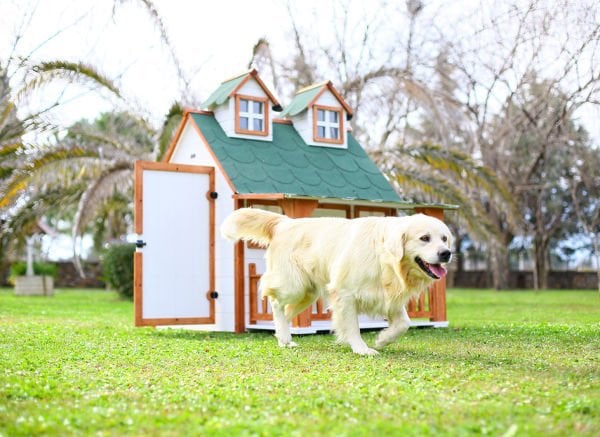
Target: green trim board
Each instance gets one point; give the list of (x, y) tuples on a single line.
[(408, 204)]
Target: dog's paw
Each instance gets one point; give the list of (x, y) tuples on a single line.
[(379, 344), (366, 351)]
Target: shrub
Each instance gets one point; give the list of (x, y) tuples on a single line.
[(39, 268), (117, 267)]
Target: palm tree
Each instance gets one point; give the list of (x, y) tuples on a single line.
[(92, 166), (20, 204)]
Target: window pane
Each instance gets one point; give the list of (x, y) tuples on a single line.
[(321, 131), (243, 105), (258, 124), (320, 115), (244, 123), (333, 116), (334, 133), (257, 107)]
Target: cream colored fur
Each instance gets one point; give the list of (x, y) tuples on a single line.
[(364, 265)]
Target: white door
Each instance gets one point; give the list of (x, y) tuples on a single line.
[(174, 268)]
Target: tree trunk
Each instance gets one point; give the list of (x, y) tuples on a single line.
[(541, 262), (500, 270), (596, 245), (459, 258), (29, 241)]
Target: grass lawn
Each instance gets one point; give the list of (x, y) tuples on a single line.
[(511, 363)]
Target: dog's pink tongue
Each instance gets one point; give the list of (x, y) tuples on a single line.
[(438, 270)]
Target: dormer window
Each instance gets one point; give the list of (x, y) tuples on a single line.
[(328, 125), (251, 114)]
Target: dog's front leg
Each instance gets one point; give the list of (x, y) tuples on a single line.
[(282, 325), (399, 324), (345, 325)]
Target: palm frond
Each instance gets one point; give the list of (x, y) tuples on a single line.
[(9, 149), (76, 72), (477, 177), (56, 167), (462, 166), (7, 113), (439, 174), (91, 138), (464, 172), (11, 128), (113, 179)]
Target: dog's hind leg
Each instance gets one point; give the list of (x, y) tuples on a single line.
[(399, 324), (282, 325), (345, 325)]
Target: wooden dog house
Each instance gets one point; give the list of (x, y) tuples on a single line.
[(235, 153)]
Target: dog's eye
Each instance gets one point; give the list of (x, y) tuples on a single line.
[(444, 238), (425, 238)]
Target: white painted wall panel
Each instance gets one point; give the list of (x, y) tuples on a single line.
[(225, 116), (252, 88), (176, 268), (303, 125), (328, 99)]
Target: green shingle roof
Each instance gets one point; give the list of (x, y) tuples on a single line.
[(221, 94), (301, 100), (289, 166)]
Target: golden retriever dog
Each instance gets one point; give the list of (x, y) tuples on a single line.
[(371, 265)]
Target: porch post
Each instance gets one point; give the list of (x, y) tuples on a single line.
[(438, 288), (239, 273), (299, 208)]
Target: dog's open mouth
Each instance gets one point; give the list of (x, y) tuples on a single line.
[(435, 271)]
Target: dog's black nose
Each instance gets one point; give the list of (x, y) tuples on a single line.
[(444, 255)]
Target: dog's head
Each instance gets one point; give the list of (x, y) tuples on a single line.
[(420, 246)]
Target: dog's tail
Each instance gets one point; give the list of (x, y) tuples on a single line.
[(251, 224)]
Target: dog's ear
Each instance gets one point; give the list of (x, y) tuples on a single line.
[(392, 253), (393, 245)]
